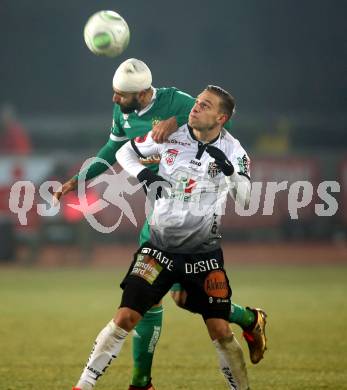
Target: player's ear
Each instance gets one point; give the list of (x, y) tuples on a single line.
[(140, 95), (222, 118)]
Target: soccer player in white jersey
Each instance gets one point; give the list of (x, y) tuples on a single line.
[(200, 164), (138, 108)]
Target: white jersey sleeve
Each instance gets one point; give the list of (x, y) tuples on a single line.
[(239, 182), (128, 155), (240, 160)]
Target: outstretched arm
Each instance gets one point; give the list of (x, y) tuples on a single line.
[(107, 153)]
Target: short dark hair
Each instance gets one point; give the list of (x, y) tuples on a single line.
[(227, 104)]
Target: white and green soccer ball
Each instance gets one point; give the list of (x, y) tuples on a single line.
[(106, 33)]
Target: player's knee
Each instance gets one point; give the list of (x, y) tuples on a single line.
[(218, 329), (222, 333), (179, 297), (126, 318)]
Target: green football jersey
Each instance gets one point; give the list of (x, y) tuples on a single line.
[(166, 103)]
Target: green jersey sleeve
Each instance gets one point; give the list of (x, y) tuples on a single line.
[(117, 131), (107, 153)]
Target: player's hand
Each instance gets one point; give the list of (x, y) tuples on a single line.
[(151, 182), (221, 160), (162, 131), (70, 185)]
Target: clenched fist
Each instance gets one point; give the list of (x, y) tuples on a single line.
[(162, 131), (70, 185)]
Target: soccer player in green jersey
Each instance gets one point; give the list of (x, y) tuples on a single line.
[(139, 108)]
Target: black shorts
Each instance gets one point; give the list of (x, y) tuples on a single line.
[(202, 275)]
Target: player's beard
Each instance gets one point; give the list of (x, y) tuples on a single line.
[(133, 105)]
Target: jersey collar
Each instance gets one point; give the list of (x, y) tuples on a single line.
[(191, 133), (149, 106)]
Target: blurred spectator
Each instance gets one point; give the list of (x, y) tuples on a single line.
[(13, 136)]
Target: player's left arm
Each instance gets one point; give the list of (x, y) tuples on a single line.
[(236, 170), (240, 182), (179, 109)]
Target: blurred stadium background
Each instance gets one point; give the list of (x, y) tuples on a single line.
[(285, 62)]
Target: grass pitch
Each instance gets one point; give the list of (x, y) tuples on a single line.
[(49, 319)]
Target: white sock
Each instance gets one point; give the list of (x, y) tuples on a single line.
[(85, 385), (232, 363), (106, 347)]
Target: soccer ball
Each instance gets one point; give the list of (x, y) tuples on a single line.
[(106, 33)]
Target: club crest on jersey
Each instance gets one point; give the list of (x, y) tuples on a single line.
[(170, 156), (141, 139), (213, 169), (155, 121)]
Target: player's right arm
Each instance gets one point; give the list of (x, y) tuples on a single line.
[(107, 152), (128, 157), (140, 147)]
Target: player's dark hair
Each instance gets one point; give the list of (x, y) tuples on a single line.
[(227, 104)]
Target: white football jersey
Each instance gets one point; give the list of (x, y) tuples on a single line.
[(187, 217)]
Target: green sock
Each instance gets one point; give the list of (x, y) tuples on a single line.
[(242, 316), (145, 337)]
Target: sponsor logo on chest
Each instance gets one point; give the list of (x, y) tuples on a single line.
[(195, 162), (188, 186), (184, 189), (170, 156), (177, 142)]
